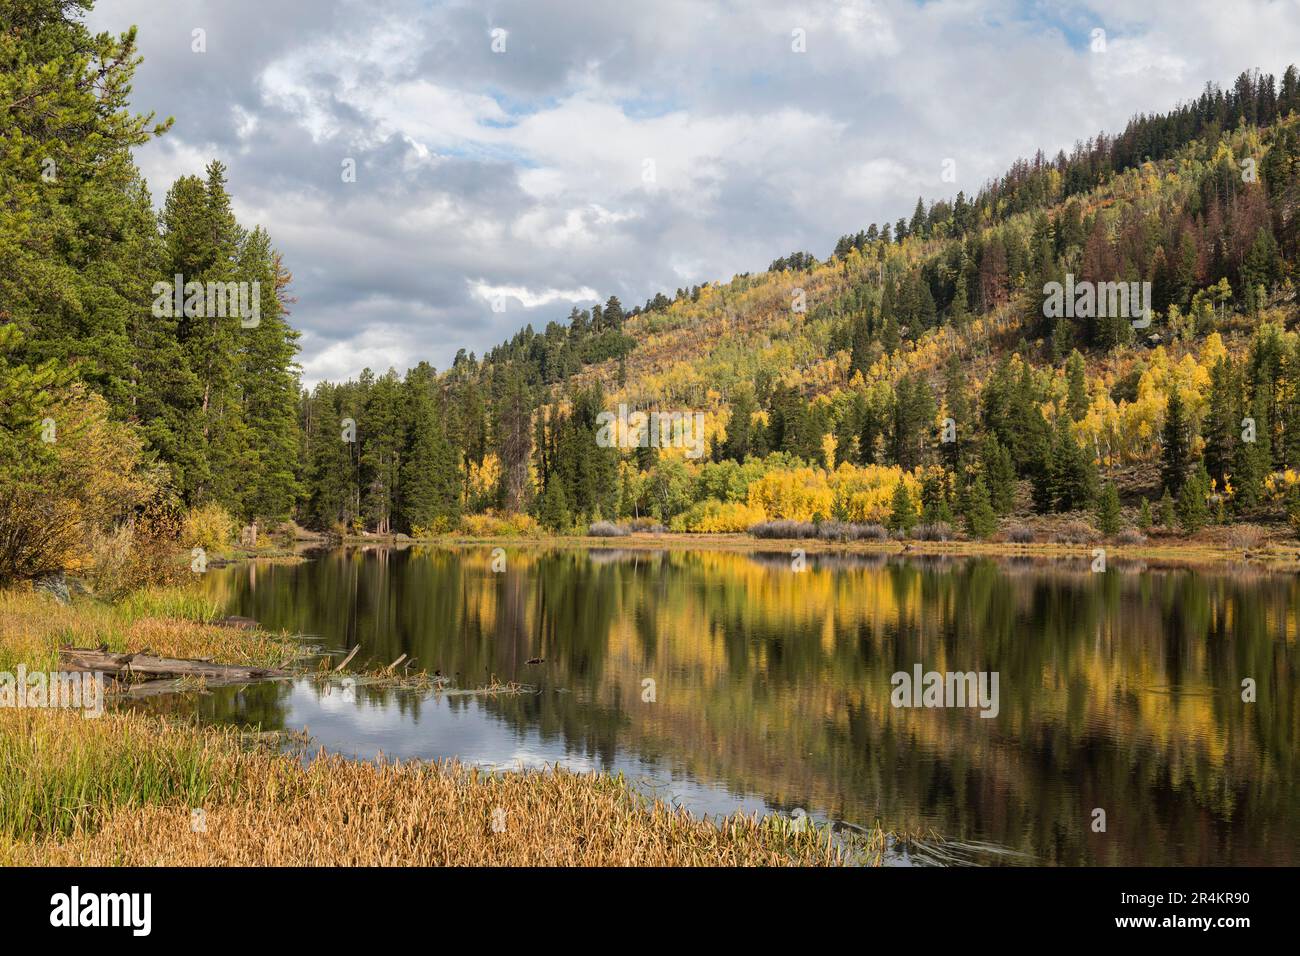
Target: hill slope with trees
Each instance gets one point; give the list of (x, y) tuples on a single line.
[(913, 379)]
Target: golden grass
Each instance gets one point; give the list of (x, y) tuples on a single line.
[(169, 623), (120, 791)]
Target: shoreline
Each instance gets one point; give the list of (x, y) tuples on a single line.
[(1158, 552), (134, 789)]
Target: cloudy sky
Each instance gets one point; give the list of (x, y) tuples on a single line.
[(541, 154)]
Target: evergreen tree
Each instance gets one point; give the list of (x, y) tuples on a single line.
[(1193, 506), (553, 511), (1000, 475), (902, 512), (740, 428), (1173, 470), (1108, 510), (267, 387), (981, 521), (1222, 421), (1167, 516), (512, 427), (1077, 387), (1251, 463), (1073, 472), (430, 476), (935, 508)]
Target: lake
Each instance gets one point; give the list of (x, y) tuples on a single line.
[(728, 680)]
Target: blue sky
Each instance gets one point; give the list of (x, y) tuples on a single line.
[(521, 172)]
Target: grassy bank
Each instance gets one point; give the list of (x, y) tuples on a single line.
[(173, 622), (120, 789)]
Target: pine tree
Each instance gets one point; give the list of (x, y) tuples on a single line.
[(958, 404), (1073, 472), (1167, 516), (267, 390), (1173, 470), (935, 508), (1144, 515), (740, 428), (77, 232), (1108, 510), (1251, 462), (430, 477), (382, 445), (902, 512), (1221, 423), (553, 510), (980, 518), (1000, 475), (512, 427), (1193, 507), (1077, 387)]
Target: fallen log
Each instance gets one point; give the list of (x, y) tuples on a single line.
[(139, 666), (234, 620)]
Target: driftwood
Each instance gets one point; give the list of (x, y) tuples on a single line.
[(242, 623), (348, 659), (141, 666)]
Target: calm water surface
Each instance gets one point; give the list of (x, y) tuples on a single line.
[(1120, 691)]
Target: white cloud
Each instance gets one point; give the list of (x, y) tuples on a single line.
[(524, 173)]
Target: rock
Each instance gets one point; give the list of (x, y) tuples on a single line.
[(55, 585)]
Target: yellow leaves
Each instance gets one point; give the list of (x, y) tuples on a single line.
[(483, 478), (797, 494), (1212, 350), (864, 493), (715, 517), (828, 449), (1279, 484)]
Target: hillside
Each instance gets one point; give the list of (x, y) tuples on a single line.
[(924, 378), (845, 371)]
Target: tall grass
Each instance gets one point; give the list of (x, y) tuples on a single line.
[(120, 790), (62, 774), (171, 622)]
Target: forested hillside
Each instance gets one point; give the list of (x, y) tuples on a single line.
[(827, 385), (912, 377)]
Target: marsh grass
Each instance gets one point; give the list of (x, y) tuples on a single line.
[(120, 790), (62, 775), (168, 622)]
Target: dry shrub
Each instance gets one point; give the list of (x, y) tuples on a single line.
[(1246, 537), (933, 531), (784, 528), (1074, 532), (606, 529), (645, 525), (1020, 534), (1131, 537), (145, 552)]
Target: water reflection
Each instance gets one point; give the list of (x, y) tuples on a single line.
[(771, 688)]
